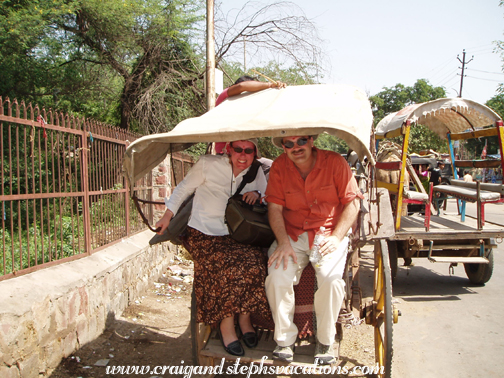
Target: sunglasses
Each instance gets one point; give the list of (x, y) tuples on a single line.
[(300, 142), (239, 150)]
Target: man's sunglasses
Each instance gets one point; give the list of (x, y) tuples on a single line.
[(239, 150), (300, 142)]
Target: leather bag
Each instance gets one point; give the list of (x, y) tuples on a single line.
[(248, 224)]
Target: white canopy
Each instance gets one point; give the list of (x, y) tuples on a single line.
[(444, 115), (340, 110)]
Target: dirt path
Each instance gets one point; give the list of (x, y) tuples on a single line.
[(155, 331)]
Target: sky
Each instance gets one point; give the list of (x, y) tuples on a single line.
[(374, 44)]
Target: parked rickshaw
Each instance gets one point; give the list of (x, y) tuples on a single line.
[(343, 111), (436, 235)]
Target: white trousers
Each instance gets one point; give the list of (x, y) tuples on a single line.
[(328, 297)]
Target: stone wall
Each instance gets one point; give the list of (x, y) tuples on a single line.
[(47, 315)]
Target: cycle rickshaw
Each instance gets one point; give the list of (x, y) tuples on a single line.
[(343, 111), (439, 236)]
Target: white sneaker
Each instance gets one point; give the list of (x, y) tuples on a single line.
[(324, 354), (284, 353)]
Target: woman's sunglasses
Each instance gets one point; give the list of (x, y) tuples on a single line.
[(300, 142), (239, 150)]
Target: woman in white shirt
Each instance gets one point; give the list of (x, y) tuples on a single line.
[(228, 276)]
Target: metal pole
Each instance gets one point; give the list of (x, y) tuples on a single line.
[(210, 57), (463, 69)]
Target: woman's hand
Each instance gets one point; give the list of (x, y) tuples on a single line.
[(251, 197), (164, 222)]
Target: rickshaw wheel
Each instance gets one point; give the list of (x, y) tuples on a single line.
[(200, 333), (383, 312), (393, 256), (480, 274)]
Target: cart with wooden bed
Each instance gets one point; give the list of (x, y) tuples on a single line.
[(342, 111), (437, 235)]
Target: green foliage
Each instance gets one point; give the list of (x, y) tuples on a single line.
[(422, 138), (268, 150), (293, 75), (394, 99), (331, 143), (99, 57), (474, 147), (496, 103), (197, 149), (36, 245)]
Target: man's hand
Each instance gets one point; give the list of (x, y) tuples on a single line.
[(282, 253), (329, 244), (164, 222), (251, 197)]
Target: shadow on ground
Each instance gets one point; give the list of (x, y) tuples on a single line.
[(155, 331)]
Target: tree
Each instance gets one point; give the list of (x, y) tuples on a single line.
[(277, 34), (121, 50), (138, 63), (145, 43), (394, 99), (474, 147)]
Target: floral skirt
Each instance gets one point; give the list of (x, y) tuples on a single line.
[(228, 278)]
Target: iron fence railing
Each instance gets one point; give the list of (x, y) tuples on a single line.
[(62, 192)]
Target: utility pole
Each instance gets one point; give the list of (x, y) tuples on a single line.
[(210, 56), (464, 63)]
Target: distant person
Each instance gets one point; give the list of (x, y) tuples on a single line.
[(435, 179), (467, 176), (435, 173)]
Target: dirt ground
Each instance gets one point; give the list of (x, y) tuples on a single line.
[(155, 331)]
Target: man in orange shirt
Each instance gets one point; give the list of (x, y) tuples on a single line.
[(308, 188)]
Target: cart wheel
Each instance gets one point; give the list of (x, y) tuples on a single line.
[(383, 313), (200, 333), (480, 274), (392, 248)]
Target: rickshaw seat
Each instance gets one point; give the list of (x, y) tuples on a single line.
[(480, 193), (420, 198), (303, 314)]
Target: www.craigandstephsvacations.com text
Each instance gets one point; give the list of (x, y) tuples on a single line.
[(236, 368)]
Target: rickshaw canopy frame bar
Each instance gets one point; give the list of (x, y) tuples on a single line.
[(392, 134), (404, 158), (475, 134), (500, 126)]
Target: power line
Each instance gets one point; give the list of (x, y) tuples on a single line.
[(480, 78), (488, 72), (439, 68), (447, 78)]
